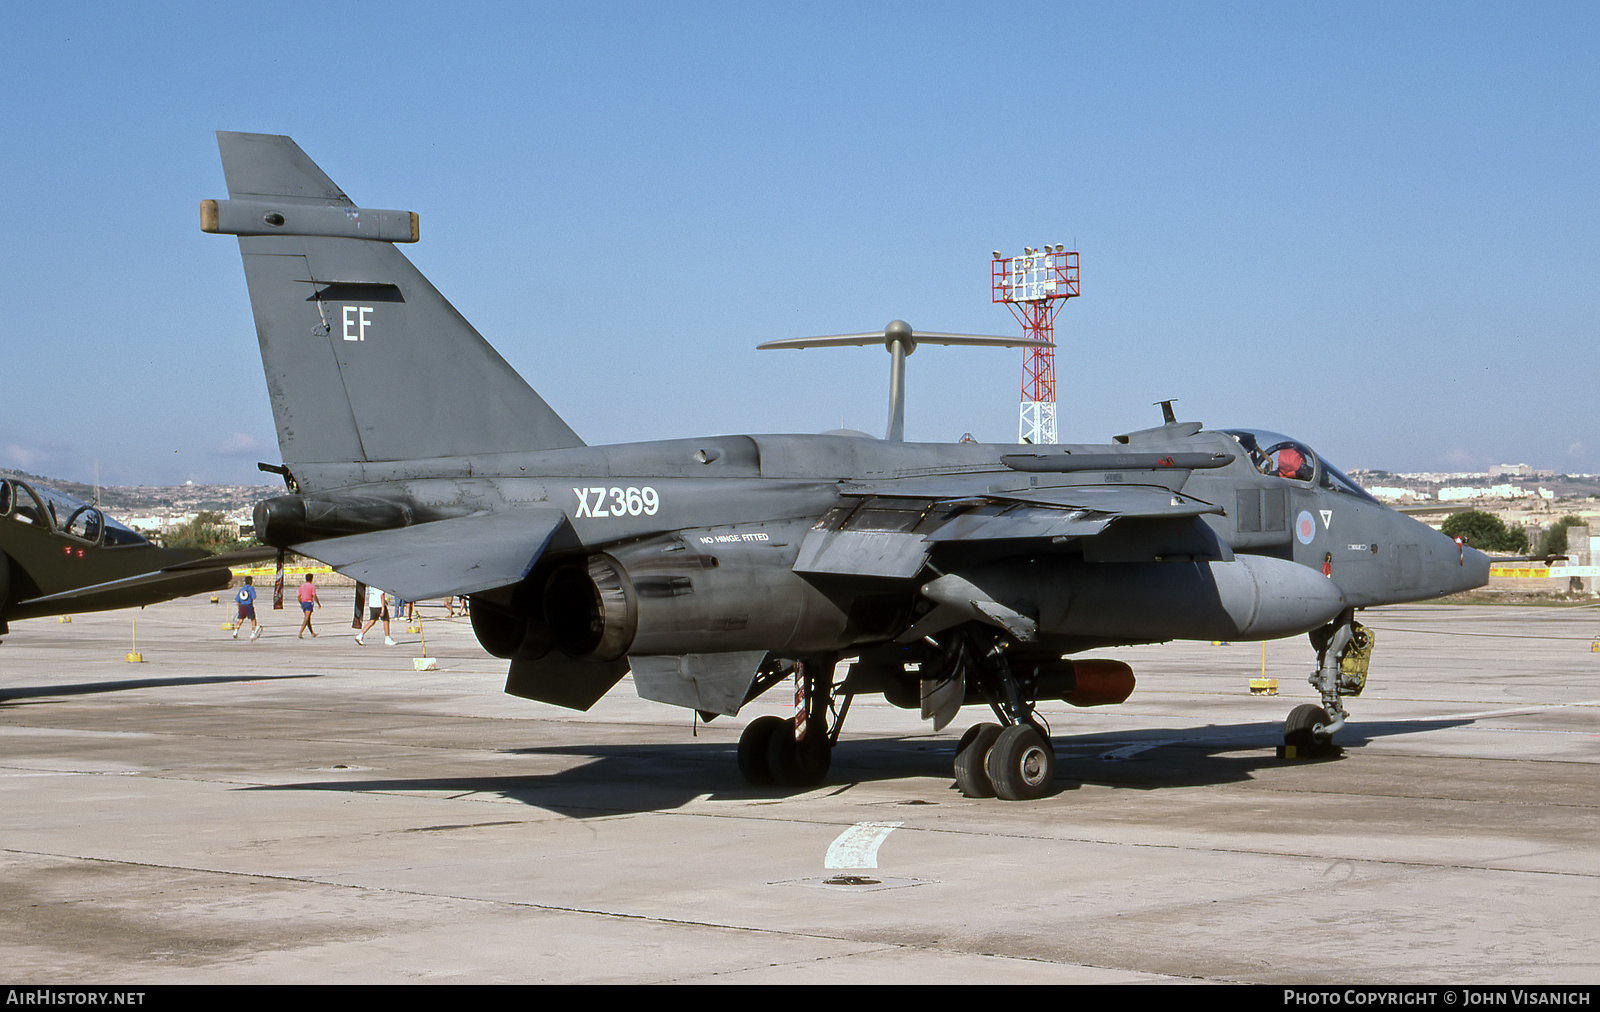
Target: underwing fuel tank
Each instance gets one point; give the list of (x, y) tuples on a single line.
[(1252, 597)]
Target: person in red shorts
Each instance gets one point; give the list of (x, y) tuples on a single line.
[(308, 600)]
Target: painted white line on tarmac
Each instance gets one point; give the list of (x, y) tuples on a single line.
[(857, 847), (1513, 711)]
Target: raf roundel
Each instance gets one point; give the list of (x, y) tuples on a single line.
[(1305, 528)]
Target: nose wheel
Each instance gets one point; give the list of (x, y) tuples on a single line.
[(1344, 647), (1306, 732)]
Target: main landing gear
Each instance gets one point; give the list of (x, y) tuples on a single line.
[(1014, 763), (798, 751), (1014, 760), (1344, 649)]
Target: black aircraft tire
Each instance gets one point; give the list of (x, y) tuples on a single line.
[(971, 754), (1297, 731), (1021, 765), (797, 763), (753, 745)]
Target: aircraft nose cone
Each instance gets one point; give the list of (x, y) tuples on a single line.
[(1474, 569)]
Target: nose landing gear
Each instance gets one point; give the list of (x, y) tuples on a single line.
[(1306, 732), (1344, 648)]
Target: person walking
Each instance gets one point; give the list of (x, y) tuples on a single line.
[(377, 611), (246, 599), (308, 600)]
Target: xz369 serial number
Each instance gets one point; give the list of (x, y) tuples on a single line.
[(617, 502)]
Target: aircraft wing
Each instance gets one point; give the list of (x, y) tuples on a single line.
[(195, 577), (889, 529), (463, 555)]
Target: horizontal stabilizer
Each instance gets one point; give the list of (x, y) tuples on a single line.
[(561, 681), (465, 555)]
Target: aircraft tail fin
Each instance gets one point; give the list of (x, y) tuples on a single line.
[(365, 360)]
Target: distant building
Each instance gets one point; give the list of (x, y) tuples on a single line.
[(1394, 494), (1456, 493), (1510, 471)]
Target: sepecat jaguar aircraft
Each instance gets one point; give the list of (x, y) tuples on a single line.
[(714, 569)]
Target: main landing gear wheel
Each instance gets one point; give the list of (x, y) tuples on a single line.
[(753, 745), (1301, 731), (798, 763), (1021, 765), (796, 752), (971, 754)]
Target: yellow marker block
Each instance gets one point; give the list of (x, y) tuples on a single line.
[(1219, 643), (227, 626), (1594, 648), (63, 620), (215, 598), (425, 663), (413, 628), (1263, 686), (136, 658)]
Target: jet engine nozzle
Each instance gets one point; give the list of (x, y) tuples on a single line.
[(591, 609)]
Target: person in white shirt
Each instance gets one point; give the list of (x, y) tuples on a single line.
[(377, 611)]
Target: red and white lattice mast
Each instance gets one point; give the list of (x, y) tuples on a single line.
[(1034, 286)]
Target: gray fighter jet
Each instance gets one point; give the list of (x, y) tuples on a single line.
[(713, 569)]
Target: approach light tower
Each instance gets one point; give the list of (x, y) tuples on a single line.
[(1034, 286)]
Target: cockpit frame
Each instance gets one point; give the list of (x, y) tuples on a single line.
[(1280, 456)]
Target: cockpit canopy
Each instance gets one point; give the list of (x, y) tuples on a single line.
[(61, 514), (1276, 454)]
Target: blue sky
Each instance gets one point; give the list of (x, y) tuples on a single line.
[(1374, 226)]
